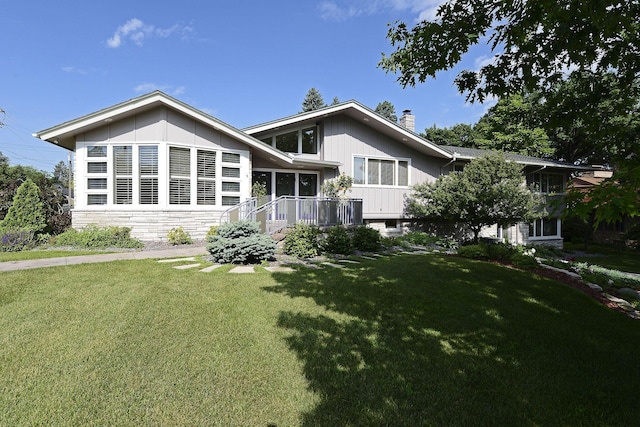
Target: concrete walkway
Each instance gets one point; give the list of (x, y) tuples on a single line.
[(85, 259)]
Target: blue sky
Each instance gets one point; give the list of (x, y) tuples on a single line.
[(244, 62)]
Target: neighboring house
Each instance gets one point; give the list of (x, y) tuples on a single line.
[(153, 163)]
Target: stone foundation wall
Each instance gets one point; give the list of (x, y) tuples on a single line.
[(150, 225)]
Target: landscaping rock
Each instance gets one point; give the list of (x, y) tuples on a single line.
[(629, 293)]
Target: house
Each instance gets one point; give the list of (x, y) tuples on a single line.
[(153, 163)]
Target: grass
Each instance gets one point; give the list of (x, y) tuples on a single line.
[(405, 340), (611, 258), (41, 254)]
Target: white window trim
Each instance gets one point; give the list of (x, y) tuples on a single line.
[(395, 169), (297, 173), (558, 234), (539, 184)]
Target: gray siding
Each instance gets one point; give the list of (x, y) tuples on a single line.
[(345, 138)]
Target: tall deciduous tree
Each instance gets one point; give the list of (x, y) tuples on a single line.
[(510, 126), (387, 110), (534, 43), (312, 101), (459, 135), (488, 191)]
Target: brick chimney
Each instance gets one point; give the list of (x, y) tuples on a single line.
[(408, 120)]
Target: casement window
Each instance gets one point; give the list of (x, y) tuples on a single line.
[(148, 167), (179, 176), (96, 175), (301, 141), (545, 227), (123, 175), (546, 182), (383, 172), (206, 167)]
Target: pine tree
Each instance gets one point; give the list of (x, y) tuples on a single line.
[(387, 110), (312, 101), (27, 212)]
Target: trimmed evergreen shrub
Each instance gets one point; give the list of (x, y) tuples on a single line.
[(93, 236), (177, 236), (240, 242), (27, 211), (302, 241), (366, 239), (337, 241), (473, 251)]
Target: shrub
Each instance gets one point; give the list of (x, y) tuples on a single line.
[(337, 241), (302, 241), (178, 236), (500, 251), (27, 211), (419, 238), (240, 242), (213, 230), (366, 239), (473, 251), (17, 240), (522, 260), (94, 236)]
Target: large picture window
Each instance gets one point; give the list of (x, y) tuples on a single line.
[(386, 172)]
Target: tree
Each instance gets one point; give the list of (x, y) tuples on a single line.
[(387, 110), (488, 191), (534, 43), (27, 212), (335, 101), (312, 101), (459, 135), (62, 173), (510, 126)]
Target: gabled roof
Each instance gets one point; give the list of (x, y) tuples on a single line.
[(464, 153), (64, 134), (362, 114)]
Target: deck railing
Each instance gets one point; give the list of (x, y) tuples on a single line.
[(239, 211), (286, 211)]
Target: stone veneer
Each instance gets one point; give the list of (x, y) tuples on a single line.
[(150, 224)]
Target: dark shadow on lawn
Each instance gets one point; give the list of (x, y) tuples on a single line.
[(428, 340)]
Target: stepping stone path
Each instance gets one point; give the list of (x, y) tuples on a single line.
[(186, 266), (210, 268)]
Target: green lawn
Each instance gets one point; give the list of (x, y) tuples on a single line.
[(404, 340), (615, 259), (41, 254)]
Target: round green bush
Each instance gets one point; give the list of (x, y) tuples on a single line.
[(302, 241)]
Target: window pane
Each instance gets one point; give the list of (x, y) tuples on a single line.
[(97, 167), (179, 191), (97, 151), (387, 172), (96, 199), (358, 170), (206, 192), (307, 184), (550, 227), (230, 186), (264, 178), (122, 160), (544, 187), (288, 142), (124, 191), (403, 173), (231, 157), (285, 184), (179, 161), (309, 141), (207, 164), (373, 173), (149, 160), (230, 172), (97, 183), (555, 184), (148, 191), (230, 200)]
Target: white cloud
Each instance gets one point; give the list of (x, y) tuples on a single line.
[(137, 31), (342, 10), (74, 70), (150, 87)]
